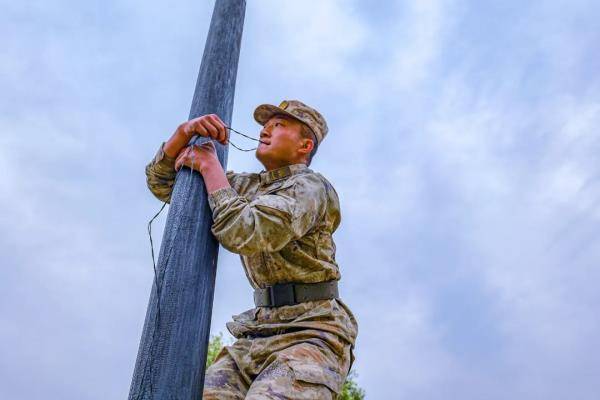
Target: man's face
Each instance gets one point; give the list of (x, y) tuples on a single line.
[(282, 138)]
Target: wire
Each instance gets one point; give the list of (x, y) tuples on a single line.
[(158, 289), (244, 135)]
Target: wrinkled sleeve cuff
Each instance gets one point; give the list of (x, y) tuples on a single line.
[(220, 196), (162, 158)]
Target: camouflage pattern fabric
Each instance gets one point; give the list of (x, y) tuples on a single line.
[(300, 371), (160, 175), (297, 110), (281, 223)]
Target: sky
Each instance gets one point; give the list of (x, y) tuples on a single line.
[(463, 144)]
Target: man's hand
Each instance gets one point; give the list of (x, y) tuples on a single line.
[(203, 158), (197, 157), (209, 125)]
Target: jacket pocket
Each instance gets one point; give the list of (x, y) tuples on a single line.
[(317, 375), (279, 186), (246, 316)]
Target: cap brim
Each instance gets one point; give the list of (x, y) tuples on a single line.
[(265, 112)]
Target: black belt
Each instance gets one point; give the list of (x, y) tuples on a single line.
[(287, 294)]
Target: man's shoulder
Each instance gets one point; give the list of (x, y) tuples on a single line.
[(242, 182), (319, 189), (242, 177), (317, 182), (247, 175)]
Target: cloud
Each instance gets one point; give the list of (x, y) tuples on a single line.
[(310, 40), (462, 143)]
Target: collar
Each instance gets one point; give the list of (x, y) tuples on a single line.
[(267, 177)]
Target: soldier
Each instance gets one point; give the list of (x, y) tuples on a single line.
[(297, 342)]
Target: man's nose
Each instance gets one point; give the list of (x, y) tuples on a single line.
[(265, 131)]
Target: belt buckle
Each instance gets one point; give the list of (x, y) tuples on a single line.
[(282, 294)]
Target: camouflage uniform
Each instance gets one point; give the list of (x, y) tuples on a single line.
[(281, 223)]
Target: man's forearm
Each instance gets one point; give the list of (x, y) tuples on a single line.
[(214, 176)]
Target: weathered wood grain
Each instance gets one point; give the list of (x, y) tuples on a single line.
[(172, 352)]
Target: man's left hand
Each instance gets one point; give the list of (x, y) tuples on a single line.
[(197, 157)]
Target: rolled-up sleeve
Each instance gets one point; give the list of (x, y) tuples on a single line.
[(270, 221), (160, 175)]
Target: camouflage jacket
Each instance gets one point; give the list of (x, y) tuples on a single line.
[(281, 223)]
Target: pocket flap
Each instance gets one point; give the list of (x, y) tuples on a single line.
[(317, 375), (279, 186)]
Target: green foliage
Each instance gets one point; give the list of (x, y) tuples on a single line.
[(350, 390), (214, 347)]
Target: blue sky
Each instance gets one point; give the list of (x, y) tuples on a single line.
[(463, 144)]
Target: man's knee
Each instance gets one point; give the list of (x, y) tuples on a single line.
[(278, 381)]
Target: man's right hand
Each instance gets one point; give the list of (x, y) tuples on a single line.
[(209, 125)]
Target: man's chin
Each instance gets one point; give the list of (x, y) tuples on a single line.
[(266, 158), (261, 154)]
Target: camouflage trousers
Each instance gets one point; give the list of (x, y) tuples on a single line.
[(302, 370)]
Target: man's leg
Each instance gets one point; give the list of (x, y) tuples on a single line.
[(223, 380), (305, 371)]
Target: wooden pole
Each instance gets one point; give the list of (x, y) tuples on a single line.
[(172, 353)]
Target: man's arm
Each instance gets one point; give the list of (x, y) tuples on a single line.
[(161, 172), (160, 175), (267, 223)]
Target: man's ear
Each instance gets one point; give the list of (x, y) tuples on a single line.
[(307, 146)]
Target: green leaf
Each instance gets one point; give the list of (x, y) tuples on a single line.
[(350, 390), (215, 345)]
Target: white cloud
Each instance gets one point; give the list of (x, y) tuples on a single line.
[(307, 40), (416, 40), (472, 178)]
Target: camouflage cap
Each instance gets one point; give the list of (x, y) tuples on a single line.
[(297, 110)]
